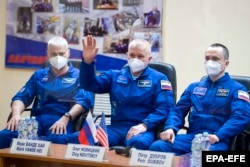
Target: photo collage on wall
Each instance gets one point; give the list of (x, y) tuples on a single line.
[(114, 23)]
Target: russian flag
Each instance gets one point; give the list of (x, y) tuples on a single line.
[(166, 85), (243, 95), (87, 135)]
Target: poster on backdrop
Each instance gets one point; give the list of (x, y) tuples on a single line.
[(114, 23)]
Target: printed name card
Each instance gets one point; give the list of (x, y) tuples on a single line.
[(84, 152), (150, 158), (32, 147)]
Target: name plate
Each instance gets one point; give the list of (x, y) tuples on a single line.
[(150, 158), (32, 147), (84, 152)]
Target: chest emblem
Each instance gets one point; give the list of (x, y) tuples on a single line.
[(222, 92), (200, 91), (144, 83)]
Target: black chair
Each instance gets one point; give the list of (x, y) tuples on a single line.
[(169, 71), (79, 120), (241, 142)]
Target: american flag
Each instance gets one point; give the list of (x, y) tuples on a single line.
[(101, 134)]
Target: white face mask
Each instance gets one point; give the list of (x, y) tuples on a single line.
[(58, 62), (213, 68), (136, 65)]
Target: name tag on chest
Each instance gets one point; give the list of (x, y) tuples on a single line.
[(222, 92), (144, 83), (68, 80)]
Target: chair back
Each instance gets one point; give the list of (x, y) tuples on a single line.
[(244, 80), (169, 71)]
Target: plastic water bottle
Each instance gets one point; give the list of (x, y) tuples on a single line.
[(34, 125), (28, 127), (205, 141), (196, 151), (21, 129)]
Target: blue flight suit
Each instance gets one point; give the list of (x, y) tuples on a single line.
[(146, 99), (53, 96), (153, 18), (221, 108)]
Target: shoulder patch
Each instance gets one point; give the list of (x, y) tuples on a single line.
[(200, 91), (122, 79), (45, 79), (166, 85), (243, 95)]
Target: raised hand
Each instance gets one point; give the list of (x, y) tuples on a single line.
[(89, 49)]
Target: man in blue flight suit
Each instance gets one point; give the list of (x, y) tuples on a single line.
[(140, 96), (153, 17), (217, 105), (58, 99)]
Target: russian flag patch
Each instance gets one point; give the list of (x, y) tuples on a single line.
[(243, 95), (166, 85)]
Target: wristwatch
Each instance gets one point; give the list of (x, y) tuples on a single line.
[(67, 114)]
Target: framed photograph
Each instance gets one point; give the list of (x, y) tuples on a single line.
[(48, 24), (95, 26), (105, 4), (152, 13), (116, 45), (24, 20), (73, 6), (72, 30), (42, 6)]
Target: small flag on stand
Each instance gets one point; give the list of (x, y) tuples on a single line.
[(101, 134), (87, 134)]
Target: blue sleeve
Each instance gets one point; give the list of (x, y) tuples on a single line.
[(176, 118), (91, 82), (164, 101), (85, 99), (239, 118), (27, 93)]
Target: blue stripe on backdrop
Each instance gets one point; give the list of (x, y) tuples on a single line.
[(25, 53)]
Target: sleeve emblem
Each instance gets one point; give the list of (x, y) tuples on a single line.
[(166, 85), (243, 95)]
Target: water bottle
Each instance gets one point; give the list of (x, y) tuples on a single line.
[(28, 127), (34, 125), (196, 151), (21, 129), (205, 141)]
